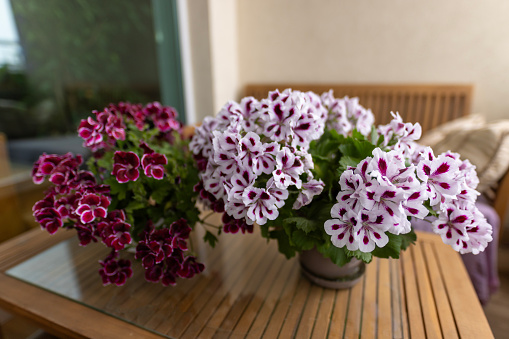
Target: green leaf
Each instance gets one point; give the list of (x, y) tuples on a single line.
[(358, 135), (408, 239), (374, 135), (210, 238), (302, 223), (336, 254), (347, 161), (283, 243), (391, 250), (160, 194), (366, 257), (135, 205), (302, 241)]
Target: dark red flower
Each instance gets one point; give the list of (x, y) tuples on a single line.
[(153, 165), (60, 168), (180, 230), (190, 268), (165, 120), (125, 166), (115, 271), (67, 204), (92, 206), (172, 267), (154, 273), (115, 127), (156, 247), (116, 234), (90, 130), (232, 225), (86, 233), (49, 219)]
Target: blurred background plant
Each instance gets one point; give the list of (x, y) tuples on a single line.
[(76, 56)]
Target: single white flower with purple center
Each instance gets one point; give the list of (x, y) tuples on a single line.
[(249, 109), (202, 139), (261, 205), (390, 166), (342, 227), (352, 187), (226, 151), (414, 205), (288, 169), (452, 224), (236, 208), (267, 159), (215, 183), (479, 234), (239, 182), (386, 199), (309, 189), (250, 149), (230, 113), (280, 195), (281, 120), (369, 230), (440, 175)]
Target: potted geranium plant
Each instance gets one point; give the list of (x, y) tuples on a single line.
[(316, 175), (135, 192)]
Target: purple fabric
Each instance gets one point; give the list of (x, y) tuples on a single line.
[(482, 268)]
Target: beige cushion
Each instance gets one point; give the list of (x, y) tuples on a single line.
[(486, 145), (434, 136)]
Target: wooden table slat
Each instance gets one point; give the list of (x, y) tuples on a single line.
[(384, 326), (468, 314), (324, 315), (413, 303), (353, 320), (447, 324), (429, 311), (370, 307)]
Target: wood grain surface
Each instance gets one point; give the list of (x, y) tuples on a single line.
[(248, 290)]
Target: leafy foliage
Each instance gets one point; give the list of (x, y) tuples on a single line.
[(299, 230)]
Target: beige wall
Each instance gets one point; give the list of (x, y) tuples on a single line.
[(209, 34), (389, 41), (224, 51)]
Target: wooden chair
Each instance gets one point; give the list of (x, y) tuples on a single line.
[(12, 223)]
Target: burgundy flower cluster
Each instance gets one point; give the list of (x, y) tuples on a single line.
[(109, 125), (78, 201), (162, 254), (127, 141)]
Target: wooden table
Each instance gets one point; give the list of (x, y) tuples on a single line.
[(248, 290)]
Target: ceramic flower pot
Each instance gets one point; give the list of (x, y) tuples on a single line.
[(323, 272)]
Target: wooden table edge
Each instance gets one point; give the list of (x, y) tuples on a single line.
[(51, 311), (32, 302), (61, 317)]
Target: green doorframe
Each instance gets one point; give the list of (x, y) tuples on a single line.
[(168, 55)]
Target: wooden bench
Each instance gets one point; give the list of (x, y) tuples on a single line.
[(431, 105)]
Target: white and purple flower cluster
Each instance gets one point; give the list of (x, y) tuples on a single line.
[(254, 152), (347, 114), (382, 191)]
